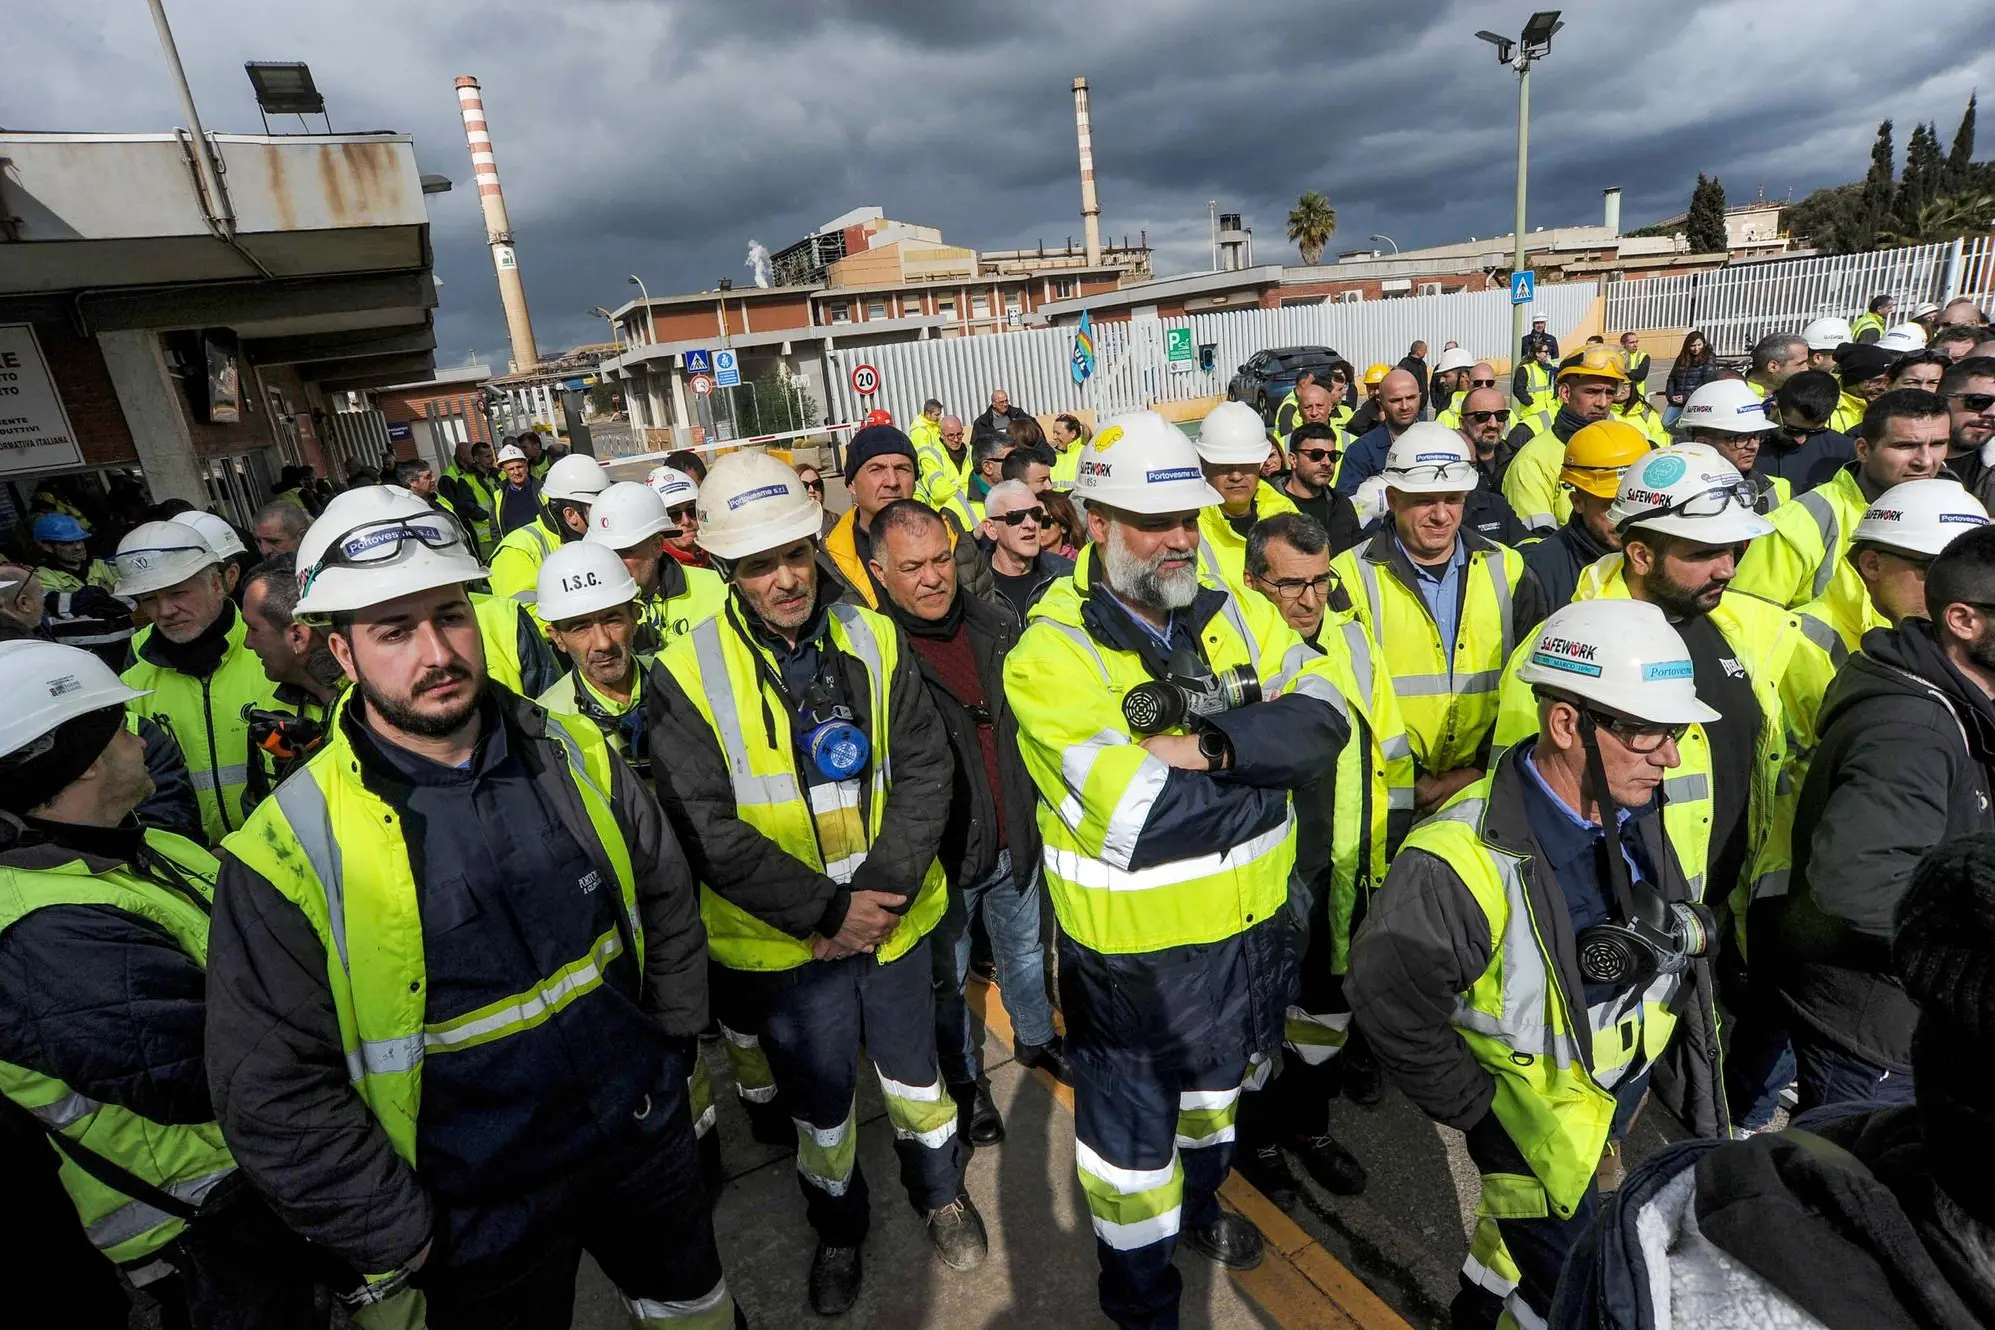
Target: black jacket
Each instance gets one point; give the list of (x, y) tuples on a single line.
[(1903, 762), (1533, 340), (1426, 942), (1047, 568), (991, 425), (1813, 463), (751, 871), (969, 841), (1557, 560), (276, 1068), (173, 805)]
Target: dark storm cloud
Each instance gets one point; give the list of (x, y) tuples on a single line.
[(658, 138)]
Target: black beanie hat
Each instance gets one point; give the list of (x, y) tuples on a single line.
[(1944, 951), (31, 776), (876, 441)]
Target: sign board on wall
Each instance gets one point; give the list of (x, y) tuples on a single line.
[(35, 433)]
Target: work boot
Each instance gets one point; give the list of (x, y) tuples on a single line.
[(1230, 1240), (834, 1279), (977, 1118), (1049, 1056), (1364, 1078), (1266, 1168), (1335, 1169), (957, 1231)]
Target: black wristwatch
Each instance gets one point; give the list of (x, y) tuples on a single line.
[(1215, 748)]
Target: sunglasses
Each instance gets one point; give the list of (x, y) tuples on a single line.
[(815, 486), (1484, 417), (1973, 401), (1482, 383), (680, 512), (1318, 455), (1639, 736), (1018, 515)]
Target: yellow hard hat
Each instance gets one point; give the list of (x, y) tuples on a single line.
[(1597, 454), (1376, 374), (1597, 361)]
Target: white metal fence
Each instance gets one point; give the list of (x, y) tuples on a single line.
[(1132, 368), (1736, 305)]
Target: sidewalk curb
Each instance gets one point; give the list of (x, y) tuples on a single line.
[(1298, 1283)]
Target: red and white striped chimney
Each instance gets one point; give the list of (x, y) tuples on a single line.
[(1090, 206), (498, 230)]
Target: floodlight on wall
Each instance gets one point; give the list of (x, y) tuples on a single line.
[(285, 87)]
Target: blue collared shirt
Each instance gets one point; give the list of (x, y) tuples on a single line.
[(1164, 638), (1441, 587)]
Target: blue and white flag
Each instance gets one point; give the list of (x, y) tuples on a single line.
[(1083, 361)]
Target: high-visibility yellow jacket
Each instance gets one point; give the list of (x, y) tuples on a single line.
[(1098, 785), (516, 563), (185, 1160), (830, 826), (686, 597), (335, 849), (97, 573), (517, 653), (1866, 322), (481, 490), (1539, 384), (1848, 413), (1803, 558), (1532, 484), (208, 717), (1785, 669), (1221, 549), (1067, 467), (1448, 700), (939, 478), (924, 433)]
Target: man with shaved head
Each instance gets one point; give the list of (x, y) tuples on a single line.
[(1399, 406), (943, 462)]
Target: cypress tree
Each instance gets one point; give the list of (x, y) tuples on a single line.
[(1704, 227)]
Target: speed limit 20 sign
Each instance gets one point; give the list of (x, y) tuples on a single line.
[(865, 380)]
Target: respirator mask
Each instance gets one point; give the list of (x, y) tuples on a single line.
[(1187, 692), (836, 746)]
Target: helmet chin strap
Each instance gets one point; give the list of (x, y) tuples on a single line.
[(1610, 817)]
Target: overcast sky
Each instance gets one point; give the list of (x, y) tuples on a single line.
[(660, 136)]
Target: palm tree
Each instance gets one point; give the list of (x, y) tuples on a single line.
[(1311, 223), (1945, 218)]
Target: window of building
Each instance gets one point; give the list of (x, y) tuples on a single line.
[(980, 305), (839, 311), (946, 306), (876, 308), (1013, 301), (1063, 288)]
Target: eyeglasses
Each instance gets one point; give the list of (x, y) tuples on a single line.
[(379, 542), (1291, 588), (1017, 515), (1484, 417), (1318, 455), (1639, 736), (1976, 402), (1482, 383), (1712, 502), (1429, 471), (680, 512), (814, 486)]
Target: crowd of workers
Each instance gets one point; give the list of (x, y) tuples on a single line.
[(364, 900)]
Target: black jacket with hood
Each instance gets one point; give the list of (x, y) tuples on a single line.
[(1558, 559), (1904, 762)]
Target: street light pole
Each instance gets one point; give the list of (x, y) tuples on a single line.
[(650, 319), (1390, 241), (1518, 53)]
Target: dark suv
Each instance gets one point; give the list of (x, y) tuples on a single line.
[(1269, 376)]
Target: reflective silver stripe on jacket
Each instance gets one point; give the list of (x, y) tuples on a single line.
[(1451, 684), (135, 1218), (212, 781), (1361, 660), (750, 790), (72, 1107), (304, 806), (1816, 504), (1825, 637), (1080, 637)]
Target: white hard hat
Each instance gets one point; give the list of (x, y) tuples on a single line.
[(1232, 435), (673, 485), (1920, 517), (1619, 654), (1904, 337), (580, 578), (376, 544), (624, 514), (512, 452), (1827, 334), (576, 478), (1430, 458), (1454, 358), (1369, 501), (1142, 463), (156, 555), (1726, 406), (47, 684), (221, 537), (1688, 490), (753, 502), (1923, 308)]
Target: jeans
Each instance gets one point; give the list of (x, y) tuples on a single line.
[(1670, 415), (1826, 1074), (1011, 918)]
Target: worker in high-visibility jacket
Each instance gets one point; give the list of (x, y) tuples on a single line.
[(306, 680), (1451, 383), (1068, 436), (1863, 370), (1588, 383), (103, 943), (1445, 606), (943, 464), (1348, 824), (810, 781), (1232, 446), (880, 467), (1537, 949), (1869, 325), (1531, 383), (456, 974), (1727, 415), (66, 565), (1682, 516), (191, 661), (1905, 437), (643, 523), (925, 430), (570, 486), (470, 482), (1893, 542), (1165, 805)]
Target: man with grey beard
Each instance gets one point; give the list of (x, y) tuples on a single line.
[(1166, 814)]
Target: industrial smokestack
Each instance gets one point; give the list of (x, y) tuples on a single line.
[(498, 231), (1611, 209), (1090, 205)]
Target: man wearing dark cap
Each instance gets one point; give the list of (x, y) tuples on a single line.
[(103, 947), (880, 467), (1864, 370), (1882, 1217)]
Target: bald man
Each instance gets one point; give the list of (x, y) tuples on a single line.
[(1399, 406)]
